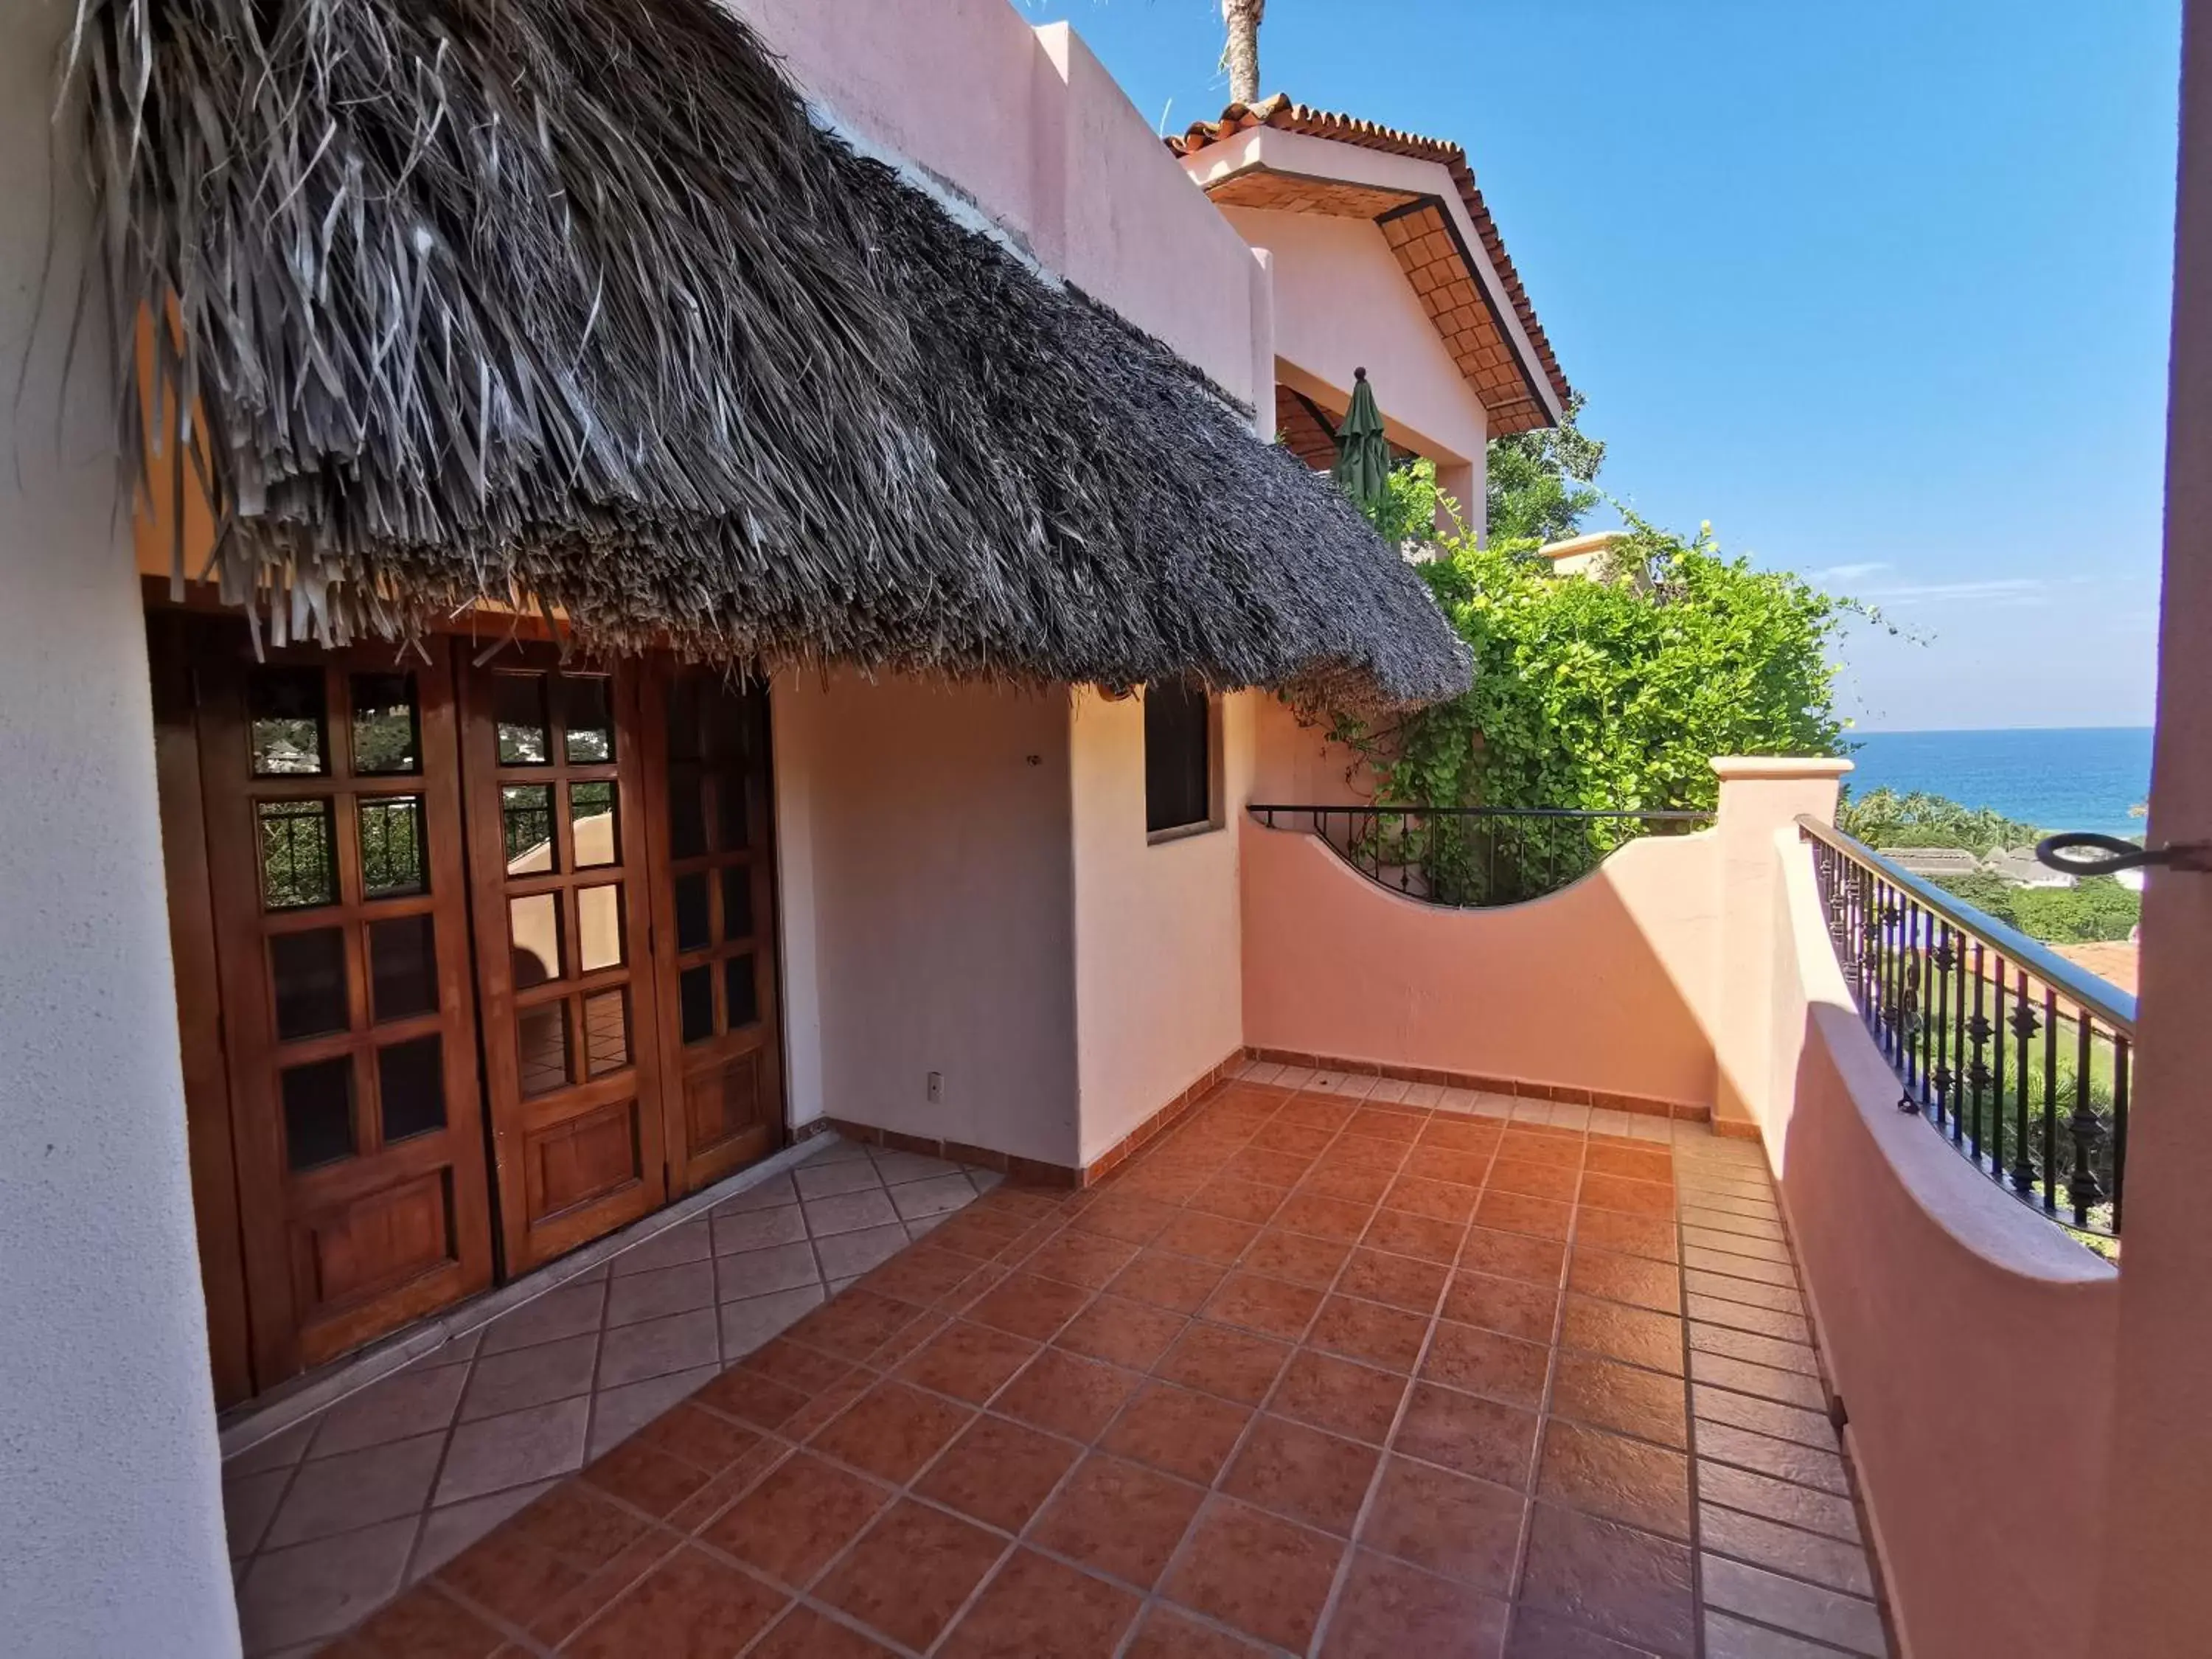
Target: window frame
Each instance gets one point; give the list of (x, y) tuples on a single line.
[(1214, 817)]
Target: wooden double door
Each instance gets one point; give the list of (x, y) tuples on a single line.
[(475, 964)]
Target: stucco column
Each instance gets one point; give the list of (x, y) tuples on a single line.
[(2156, 1597), (1759, 796), (110, 1504)]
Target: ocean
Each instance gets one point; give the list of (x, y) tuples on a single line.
[(2077, 778)]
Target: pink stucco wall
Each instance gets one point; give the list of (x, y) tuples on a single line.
[(1024, 123), (1972, 1344), (1593, 988), (1342, 302), (924, 866), (1159, 959)]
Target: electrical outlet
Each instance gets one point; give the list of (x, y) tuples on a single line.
[(936, 1088)]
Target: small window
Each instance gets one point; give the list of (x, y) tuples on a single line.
[(1178, 758)]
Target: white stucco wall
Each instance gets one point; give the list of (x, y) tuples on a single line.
[(111, 1509)]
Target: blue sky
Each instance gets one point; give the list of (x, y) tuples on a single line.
[(1881, 288)]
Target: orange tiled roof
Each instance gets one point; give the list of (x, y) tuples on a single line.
[(1279, 111)]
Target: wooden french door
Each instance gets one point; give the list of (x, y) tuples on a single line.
[(715, 919), (554, 774), (334, 854)]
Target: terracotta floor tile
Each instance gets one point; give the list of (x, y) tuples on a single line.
[(797, 1519), (1637, 1163), (576, 1525), (645, 1478), (1315, 1112), (1513, 1256), (1450, 1165), (805, 1634), (1082, 1259), (969, 1361), (702, 1438), (1512, 1307), (1644, 1486), (690, 1607), (1452, 1524), (1293, 1469), (1333, 1219), (1480, 1361), (1169, 1634), (1282, 1137), (747, 1394), (1365, 1152), (908, 1574), (1622, 1398), (808, 1369), (1208, 1238), (1300, 1257), (1254, 1301), (1177, 1283), (1256, 1573), (853, 1325), (892, 1431), (1466, 1433), (1237, 1200), (1511, 1212), (1118, 1517), (1552, 1181), (923, 1276), (1341, 1395), (1235, 1364), (1420, 1235), (1635, 1280), (567, 1613), (1626, 1584), (1066, 1394), (1025, 1305), (1461, 1134), (1390, 1611), (1367, 1330), (1130, 1334), (1039, 1608), (1178, 1429), (1130, 1217), (1536, 1634), (427, 1624), (1643, 1198), (1267, 1167), (1629, 1235), (1355, 1184), (1444, 1200), (999, 1472), (1638, 1335)]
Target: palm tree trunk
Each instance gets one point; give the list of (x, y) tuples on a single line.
[(1241, 51)]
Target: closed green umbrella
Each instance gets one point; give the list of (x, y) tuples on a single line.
[(1363, 453)]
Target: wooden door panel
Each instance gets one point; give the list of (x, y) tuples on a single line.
[(335, 867), (554, 780), (715, 919)]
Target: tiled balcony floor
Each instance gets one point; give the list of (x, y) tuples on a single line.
[(1315, 1374), (339, 1512)]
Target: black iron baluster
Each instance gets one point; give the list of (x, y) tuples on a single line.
[(2051, 1095), (1978, 1030), (2083, 1190), (2024, 1025), (1943, 1077), (2121, 1053)]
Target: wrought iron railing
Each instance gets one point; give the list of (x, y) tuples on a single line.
[(1471, 857), (2016, 1056)]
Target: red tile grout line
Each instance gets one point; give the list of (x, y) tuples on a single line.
[(1061, 1222)]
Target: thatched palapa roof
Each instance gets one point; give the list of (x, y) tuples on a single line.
[(569, 304)]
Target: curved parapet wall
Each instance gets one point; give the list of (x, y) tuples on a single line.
[(1972, 1342), (1605, 985)]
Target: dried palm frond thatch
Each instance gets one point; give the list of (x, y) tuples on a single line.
[(567, 304)]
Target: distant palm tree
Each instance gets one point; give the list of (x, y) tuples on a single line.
[(1241, 54)]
